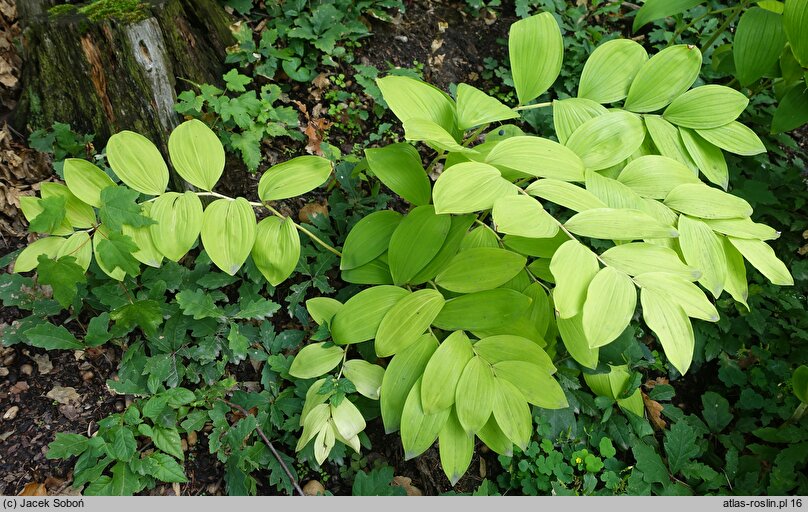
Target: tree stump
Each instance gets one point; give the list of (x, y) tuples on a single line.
[(118, 68)]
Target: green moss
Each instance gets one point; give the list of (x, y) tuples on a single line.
[(59, 10), (128, 11)]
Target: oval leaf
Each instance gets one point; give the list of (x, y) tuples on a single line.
[(474, 398), (639, 258), (419, 429), (610, 69), (415, 241), (137, 162), (610, 303), (762, 257), (735, 138), (196, 154), (276, 249), (607, 140), (369, 238), (228, 233), (535, 156), (178, 220), (470, 187), (474, 107), (293, 178), (407, 320), (536, 51), (404, 370), (443, 372), (523, 216), (573, 266), (706, 202), (479, 269), (359, 318), (489, 309), (86, 181), (703, 250), (671, 326), (655, 176), (665, 76), (618, 224), (758, 43), (456, 448), (512, 413), (314, 360), (366, 377), (708, 106), (399, 167)]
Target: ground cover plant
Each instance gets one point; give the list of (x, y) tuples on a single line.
[(537, 301)]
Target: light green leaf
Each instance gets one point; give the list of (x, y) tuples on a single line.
[(456, 448), (512, 413), (85, 180), (743, 228), (762, 257), (639, 258), (572, 334), (536, 52), (607, 140), (147, 252), (474, 107), (406, 321), (538, 247), (359, 318), (470, 187), (570, 113), (415, 241), (489, 309), (409, 98), (276, 250), (399, 167), (702, 249), (655, 176), (366, 377), (535, 156), (618, 224), (293, 178), (494, 438), (610, 303), (573, 267), (668, 140), (684, 293), (196, 154), (314, 360), (735, 138), (369, 238), (323, 309), (495, 349), (665, 76), (347, 419), (735, 283), (404, 370), (435, 135), (28, 259), (443, 372), (482, 236), (228, 233), (375, 272), (610, 69), (537, 386), (178, 220), (137, 162), (708, 106), (657, 9), (79, 246), (419, 429), (523, 216), (758, 43), (795, 19), (324, 442), (707, 157), (706, 202), (313, 422), (474, 399), (457, 231), (168, 440), (78, 213), (671, 326), (479, 269), (565, 194)]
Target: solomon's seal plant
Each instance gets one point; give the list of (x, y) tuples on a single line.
[(522, 242)]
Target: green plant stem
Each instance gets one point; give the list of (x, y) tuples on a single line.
[(434, 162), (720, 30), (536, 105), (222, 196), (304, 230), (681, 31), (474, 135), (269, 445)]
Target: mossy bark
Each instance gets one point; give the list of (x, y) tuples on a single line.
[(115, 74)]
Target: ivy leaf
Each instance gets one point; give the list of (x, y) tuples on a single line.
[(650, 463), (146, 314), (51, 217), (66, 445), (376, 483), (198, 304), (50, 337), (680, 447), (257, 309), (118, 207), (62, 275), (235, 81), (116, 250)]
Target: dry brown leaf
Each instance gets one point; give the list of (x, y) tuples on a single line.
[(43, 363), (311, 210), (63, 395), (19, 387), (654, 409), (406, 483), (33, 489)]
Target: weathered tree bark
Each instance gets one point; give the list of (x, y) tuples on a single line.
[(108, 75)]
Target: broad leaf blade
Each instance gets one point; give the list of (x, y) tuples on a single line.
[(536, 51)]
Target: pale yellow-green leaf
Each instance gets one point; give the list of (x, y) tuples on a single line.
[(322, 309), (77, 213), (655, 176), (347, 419), (399, 167), (494, 438), (523, 216), (424, 130), (689, 296), (470, 187), (573, 267), (276, 249), (610, 303), (137, 162), (28, 258), (369, 238), (663, 77), (536, 156), (532, 324), (85, 180), (409, 98), (474, 107), (611, 192), (607, 140), (147, 252), (735, 283), (443, 372), (743, 228), (708, 106), (610, 69), (228, 233), (360, 317), (536, 52), (639, 258), (536, 385), (314, 398), (702, 249), (572, 334), (313, 423), (571, 113), (707, 157), (196, 154), (564, 194), (456, 448), (479, 269), (178, 220), (489, 309), (703, 201), (475, 394), (633, 404), (407, 320), (512, 413), (79, 246), (668, 140), (671, 326), (762, 257), (506, 347), (376, 271), (115, 272), (416, 240), (402, 372), (293, 178), (419, 429), (314, 360), (735, 138), (324, 442), (618, 224), (482, 236)]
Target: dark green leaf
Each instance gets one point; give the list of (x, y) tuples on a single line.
[(716, 411), (650, 463), (164, 468), (50, 337), (146, 314), (376, 483), (198, 304), (62, 275), (680, 447), (118, 207), (51, 217), (116, 252), (66, 445)]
